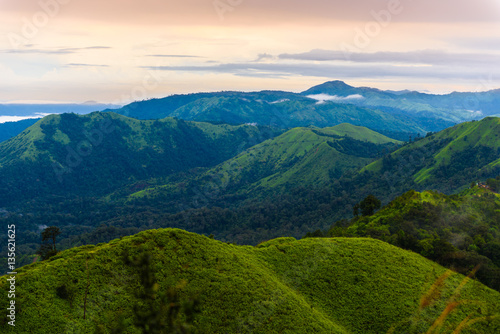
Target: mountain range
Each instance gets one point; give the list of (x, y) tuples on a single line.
[(183, 213), (397, 114)]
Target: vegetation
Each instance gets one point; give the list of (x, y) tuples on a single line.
[(458, 231), (69, 155), (341, 285), (48, 246), (270, 108), (295, 183)]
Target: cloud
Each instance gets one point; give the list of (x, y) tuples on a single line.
[(321, 98), (55, 51), (85, 65), (5, 119), (340, 71), (427, 57), (264, 56), (477, 43), (175, 56)]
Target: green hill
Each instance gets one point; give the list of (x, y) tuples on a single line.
[(282, 286), (299, 157), (459, 231), (12, 129), (70, 155), (445, 161)]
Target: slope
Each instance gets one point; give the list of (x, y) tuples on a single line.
[(93, 154), (445, 161), (326, 286), (458, 231), (300, 157), (12, 129)]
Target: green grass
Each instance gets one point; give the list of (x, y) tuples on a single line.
[(359, 133), (281, 286)]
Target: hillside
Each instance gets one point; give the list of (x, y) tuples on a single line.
[(445, 161), (313, 285), (12, 129), (458, 231), (299, 157), (69, 155)]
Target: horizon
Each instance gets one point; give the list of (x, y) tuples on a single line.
[(42, 102)]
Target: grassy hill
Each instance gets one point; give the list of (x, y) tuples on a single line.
[(447, 160), (68, 155), (301, 156), (281, 286), (459, 231)]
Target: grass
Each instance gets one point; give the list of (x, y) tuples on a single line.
[(338, 285)]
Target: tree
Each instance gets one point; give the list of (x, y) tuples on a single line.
[(161, 312), (369, 205), (355, 210), (48, 246)]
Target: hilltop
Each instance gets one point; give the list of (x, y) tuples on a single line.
[(70, 155), (314, 285)]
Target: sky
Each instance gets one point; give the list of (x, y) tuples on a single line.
[(118, 51)]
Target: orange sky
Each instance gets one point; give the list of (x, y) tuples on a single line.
[(119, 51)]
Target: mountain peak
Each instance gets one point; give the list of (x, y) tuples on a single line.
[(336, 87), (336, 83)]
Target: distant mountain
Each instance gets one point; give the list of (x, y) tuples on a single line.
[(424, 109), (68, 155), (169, 279), (12, 129), (272, 108)]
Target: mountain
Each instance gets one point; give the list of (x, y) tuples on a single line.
[(301, 156), (12, 129), (447, 161), (69, 155), (273, 108), (171, 279), (433, 112), (34, 112)]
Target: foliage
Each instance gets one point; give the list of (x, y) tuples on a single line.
[(48, 246), (457, 231), (368, 206), (342, 285)]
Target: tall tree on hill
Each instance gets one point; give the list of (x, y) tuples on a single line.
[(368, 206), (48, 246)]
